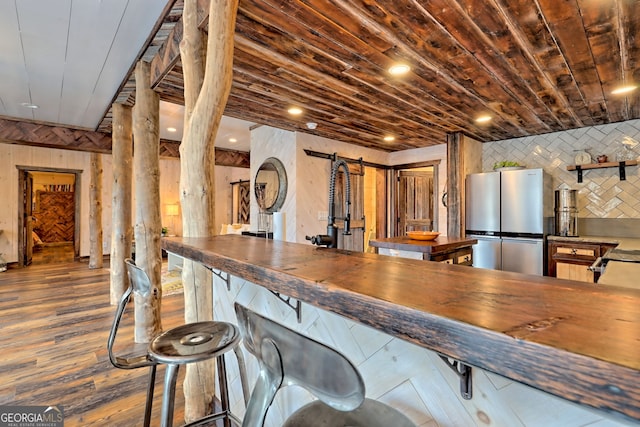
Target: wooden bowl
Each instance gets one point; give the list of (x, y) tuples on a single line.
[(423, 235)]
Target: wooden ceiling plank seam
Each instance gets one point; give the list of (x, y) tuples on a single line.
[(601, 27), (513, 118)]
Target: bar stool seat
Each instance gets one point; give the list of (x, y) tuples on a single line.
[(191, 343), (287, 357)]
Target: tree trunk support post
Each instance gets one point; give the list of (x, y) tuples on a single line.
[(122, 231), (207, 83), (95, 212), (148, 226)]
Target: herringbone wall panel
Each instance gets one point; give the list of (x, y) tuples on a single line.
[(601, 194), (55, 216)]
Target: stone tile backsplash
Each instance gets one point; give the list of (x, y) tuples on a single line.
[(601, 194)]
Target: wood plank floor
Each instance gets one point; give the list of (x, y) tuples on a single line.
[(54, 322)]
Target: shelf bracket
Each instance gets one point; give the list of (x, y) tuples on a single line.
[(623, 173), (464, 374), (226, 277), (297, 307), (579, 170)]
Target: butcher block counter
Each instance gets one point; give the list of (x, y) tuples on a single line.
[(573, 340), (442, 249)]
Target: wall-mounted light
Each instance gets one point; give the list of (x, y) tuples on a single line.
[(171, 129), (232, 140)]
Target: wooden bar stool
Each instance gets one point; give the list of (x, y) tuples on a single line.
[(189, 343), (287, 358)]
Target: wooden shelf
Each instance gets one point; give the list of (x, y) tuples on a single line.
[(619, 165), (602, 165)]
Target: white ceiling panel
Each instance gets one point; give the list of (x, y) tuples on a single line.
[(136, 24), (14, 85), (93, 27), (69, 57), (43, 32)]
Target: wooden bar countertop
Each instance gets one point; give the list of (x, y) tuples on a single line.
[(440, 244), (575, 340)]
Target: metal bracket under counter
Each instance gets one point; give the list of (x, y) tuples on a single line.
[(297, 307), (464, 374)]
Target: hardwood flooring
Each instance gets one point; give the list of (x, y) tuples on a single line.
[(54, 322), (52, 253)]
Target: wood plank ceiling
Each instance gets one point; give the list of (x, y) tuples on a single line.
[(534, 66)]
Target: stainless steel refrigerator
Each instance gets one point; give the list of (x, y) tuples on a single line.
[(509, 213)]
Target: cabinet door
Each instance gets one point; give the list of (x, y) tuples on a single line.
[(578, 272)]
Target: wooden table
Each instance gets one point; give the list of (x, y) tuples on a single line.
[(577, 341), (442, 249)]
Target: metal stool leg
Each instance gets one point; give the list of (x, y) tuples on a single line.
[(149, 403), (224, 389), (243, 374), (169, 394)]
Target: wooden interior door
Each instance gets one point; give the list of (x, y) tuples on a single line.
[(355, 241), (415, 201), (27, 229)]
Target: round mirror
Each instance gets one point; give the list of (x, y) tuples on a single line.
[(271, 185)]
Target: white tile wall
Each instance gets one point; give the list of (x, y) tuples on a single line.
[(601, 194)]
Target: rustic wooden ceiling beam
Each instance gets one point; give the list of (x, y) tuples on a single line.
[(169, 53), (44, 135), (629, 36)]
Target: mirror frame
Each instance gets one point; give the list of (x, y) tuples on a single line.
[(282, 183)]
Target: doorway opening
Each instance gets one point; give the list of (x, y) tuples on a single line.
[(49, 213)]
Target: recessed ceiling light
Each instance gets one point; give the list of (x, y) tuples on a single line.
[(483, 119), (295, 111), (389, 138), (399, 69), (233, 140), (624, 89), (29, 105), (171, 129)]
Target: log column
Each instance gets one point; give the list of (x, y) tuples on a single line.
[(95, 212), (207, 86), (121, 231), (148, 226)]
